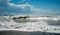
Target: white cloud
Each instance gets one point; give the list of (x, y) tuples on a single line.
[(20, 5), (32, 8)]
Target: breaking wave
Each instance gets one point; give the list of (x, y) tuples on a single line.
[(35, 23)]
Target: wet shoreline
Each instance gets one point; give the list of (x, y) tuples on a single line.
[(11, 32)]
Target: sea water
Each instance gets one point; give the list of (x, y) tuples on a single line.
[(35, 23)]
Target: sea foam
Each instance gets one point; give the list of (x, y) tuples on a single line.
[(33, 24)]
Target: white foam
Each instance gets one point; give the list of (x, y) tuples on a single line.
[(6, 23)]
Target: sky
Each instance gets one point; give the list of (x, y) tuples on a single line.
[(40, 7)]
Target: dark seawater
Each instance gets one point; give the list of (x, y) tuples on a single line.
[(26, 33)]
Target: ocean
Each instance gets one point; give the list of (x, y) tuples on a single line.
[(35, 25)]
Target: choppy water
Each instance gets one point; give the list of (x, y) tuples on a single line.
[(44, 24)]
